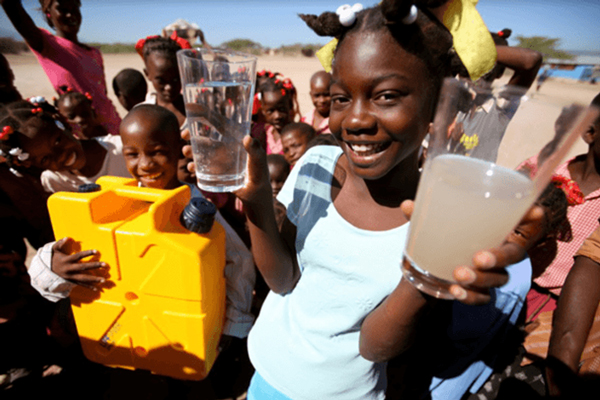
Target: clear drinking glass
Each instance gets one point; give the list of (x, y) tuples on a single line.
[(470, 196), (218, 88)]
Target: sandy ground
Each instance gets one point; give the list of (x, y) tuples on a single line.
[(535, 117)]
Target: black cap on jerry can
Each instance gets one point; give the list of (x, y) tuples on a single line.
[(199, 215), (88, 188)]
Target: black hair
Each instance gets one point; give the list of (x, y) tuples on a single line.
[(426, 38), (129, 81), (16, 117), (596, 101), (324, 139), (168, 120), (278, 160), (302, 127), (166, 47), (555, 203), (66, 92), (500, 37)]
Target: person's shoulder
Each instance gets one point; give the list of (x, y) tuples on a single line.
[(323, 151)]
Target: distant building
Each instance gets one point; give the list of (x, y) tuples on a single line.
[(584, 67)]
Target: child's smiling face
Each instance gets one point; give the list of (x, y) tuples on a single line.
[(320, 94), (79, 113), (381, 103), (65, 16), (163, 73), (151, 149), (52, 147)]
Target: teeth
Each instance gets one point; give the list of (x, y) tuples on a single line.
[(153, 176), (367, 149), (71, 160)]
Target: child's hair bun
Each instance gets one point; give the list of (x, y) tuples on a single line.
[(326, 24), (395, 11), (505, 33)]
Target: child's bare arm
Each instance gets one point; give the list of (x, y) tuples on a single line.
[(525, 62), (23, 23), (573, 317), (69, 266), (274, 251)]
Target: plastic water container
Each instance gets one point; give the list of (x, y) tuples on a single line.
[(162, 307)]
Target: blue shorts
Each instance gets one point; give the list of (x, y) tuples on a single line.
[(260, 390)]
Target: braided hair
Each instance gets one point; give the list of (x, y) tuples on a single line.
[(166, 47), (278, 84), (68, 93), (24, 118), (426, 37)]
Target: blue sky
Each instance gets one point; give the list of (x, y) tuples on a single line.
[(275, 22)]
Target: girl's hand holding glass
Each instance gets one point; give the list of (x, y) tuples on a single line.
[(473, 283)]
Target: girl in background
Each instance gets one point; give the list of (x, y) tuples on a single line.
[(79, 111), (36, 137), (278, 106), (66, 61), (160, 60)]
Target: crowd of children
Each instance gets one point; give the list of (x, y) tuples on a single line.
[(315, 303)]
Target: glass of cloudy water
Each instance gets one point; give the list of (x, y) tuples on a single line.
[(218, 89), (470, 195)]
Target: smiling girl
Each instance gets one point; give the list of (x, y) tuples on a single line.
[(66, 61), (338, 307), (37, 137)]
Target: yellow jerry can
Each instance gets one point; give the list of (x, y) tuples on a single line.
[(162, 307)]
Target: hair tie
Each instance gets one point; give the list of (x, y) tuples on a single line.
[(411, 17), (37, 100), (287, 83), (347, 13), (139, 46), (500, 33), (283, 92), (6, 132), (184, 44), (20, 154), (262, 73), (88, 96), (570, 188), (37, 110)]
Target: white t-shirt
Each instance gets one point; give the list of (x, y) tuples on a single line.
[(306, 343), (113, 165)]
